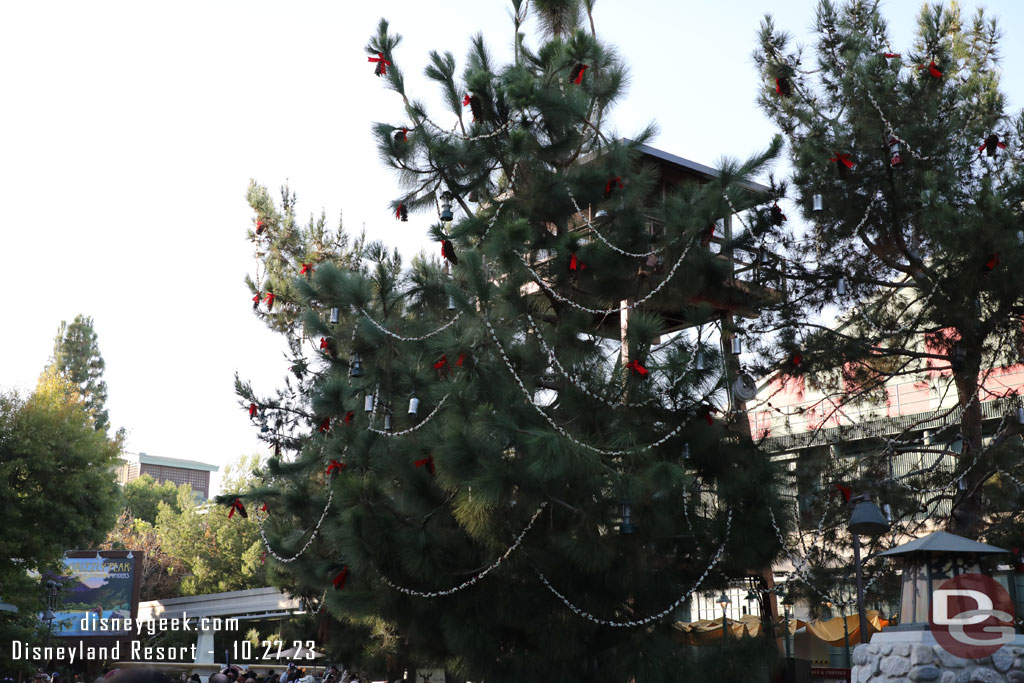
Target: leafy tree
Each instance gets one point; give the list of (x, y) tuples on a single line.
[(76, 355), (57, 492), (161, 574), (491, 461), (907, 169), (142, 497), (218, 554)]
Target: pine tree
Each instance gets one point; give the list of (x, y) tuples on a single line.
[(76, 354), (508, 462), (907, 170)]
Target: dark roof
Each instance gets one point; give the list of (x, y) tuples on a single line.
[(942, 542), (699, 169), (146, 459)]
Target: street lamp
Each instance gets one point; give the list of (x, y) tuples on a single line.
[(724, 601), (787, 605), (867, 520)]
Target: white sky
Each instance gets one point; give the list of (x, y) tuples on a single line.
[(129, 132)]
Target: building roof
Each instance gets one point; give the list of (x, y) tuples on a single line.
[(942, 542), (699, 169), (146, 459)]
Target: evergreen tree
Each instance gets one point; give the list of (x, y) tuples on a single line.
[(512, 463), (142, 497), (907, 170), (76, 354)]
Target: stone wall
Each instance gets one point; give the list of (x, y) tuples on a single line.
[(878, 662)]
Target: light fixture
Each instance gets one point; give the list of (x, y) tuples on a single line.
[(817, 203), (357, 365), (751, 596), (724, 601), (414, 405), (446, 207), (699, 361), (387, 422), (1020, 415), (626, 526), (887, 509), (737, 345), (334, 315), (686, 451), (368, 403), (1020, 237), (867, 520), (841, 286), (451, 302), (894, 153)]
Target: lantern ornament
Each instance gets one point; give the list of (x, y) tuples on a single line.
[(737, 345), (626, 525), (357, 366), (447, 215), (698, 363), (368, 403), (817, 203), (334, 315), (895, 160), (841, 286), (387, 421), (451, 302), (414, 405), (927, 563)]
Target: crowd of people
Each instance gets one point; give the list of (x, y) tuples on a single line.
[(228, 674)]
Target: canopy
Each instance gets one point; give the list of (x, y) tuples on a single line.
[(942, 542), (708, 631), (831, 630)]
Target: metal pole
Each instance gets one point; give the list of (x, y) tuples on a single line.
[(785, 637), (865, 636), (725, 632), (846, 637)]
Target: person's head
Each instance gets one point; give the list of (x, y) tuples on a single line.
[(141, 676), (219, 678)]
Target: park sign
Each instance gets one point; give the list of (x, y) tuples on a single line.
[(97, 586)]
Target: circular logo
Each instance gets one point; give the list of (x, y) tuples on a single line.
[(971, 616)]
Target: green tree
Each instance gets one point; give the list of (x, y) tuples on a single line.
[(493, 460), (76, 354), (218, 554), (57, 492), (143, 496), (907, 170)]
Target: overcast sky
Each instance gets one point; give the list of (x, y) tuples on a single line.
[(129, 132)]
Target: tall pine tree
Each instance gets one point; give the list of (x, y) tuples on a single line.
[(76, 355), (514, 461)]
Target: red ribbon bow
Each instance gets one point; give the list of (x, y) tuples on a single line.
[(992, 262), (335, 466), (579, 76), (263, 508), (405, 135), (428, 461), (576, 264), (797, 358), (990, 141), (306, 268), (398, 211), (439, 365), (708, 410), (256, 300), (263, 557), (610, 185), (890, 55), (932, 69), (341, 578), (461, 359), (382, 64), (448, 251), (324, 344), (237, 505), (846, 491), (325, 425), (252, 410), (466, 101), (260, 226), (844, 158), (270, 300), (348, 417), (637, 368)]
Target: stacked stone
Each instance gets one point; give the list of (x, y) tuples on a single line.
[(882, 662)]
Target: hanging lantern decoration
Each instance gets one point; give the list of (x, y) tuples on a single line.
[(334, 315), (414, 406), (744, 388), (895, 160), (686, 451), (992, 145), (841, 286), (451, 302), (447, 215), (887, 511), (387, 421), (737, 345), (357, 366), (1020, 415), (368, 403), (698, 363), (1020, 237), (961, 484), (817, 203), (958, 358), (626, 510)]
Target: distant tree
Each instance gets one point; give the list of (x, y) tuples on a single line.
[(161, 574), (219, 554), (142, 497), (76, 355), (57, 493)]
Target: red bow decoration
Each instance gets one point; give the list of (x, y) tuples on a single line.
[(707, 411), (256, 301), (461, 359), (405, 134), (270, 300), (264, 508), (263, 557), (402, 213), (933, 69), (306, 268), (578, 73), (797, 358), (325, 425), (575, 264), (439, 365), (610, 185), (382, 64), (324, 344), (844, 159), (473, 102), (428, 461), (335, 466), (260, 226), (992, 262), (348, 417), (252, 410), (237, 505), (782, 87), (778, 218), (466, 101), (341, 578), (637, 368), (448, 251), (890, 55), (991, 144), (846, 491)]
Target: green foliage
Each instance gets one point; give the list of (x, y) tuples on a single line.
[(143, 496), (57, 492), (76, 355)]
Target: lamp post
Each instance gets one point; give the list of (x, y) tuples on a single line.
[(724, 601), (787, 605), (865, 519)]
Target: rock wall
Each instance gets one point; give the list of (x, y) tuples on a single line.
[(882, 662)]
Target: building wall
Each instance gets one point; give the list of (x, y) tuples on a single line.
[(197, 479)]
